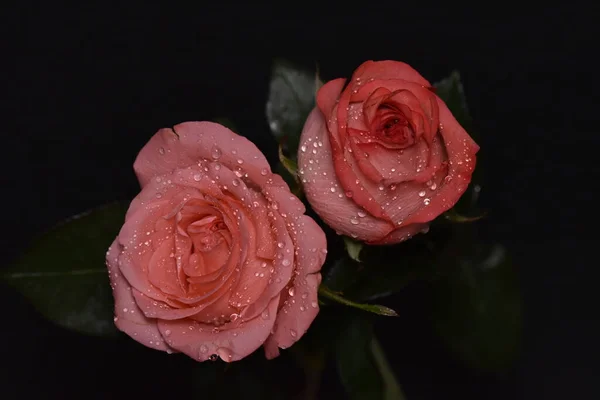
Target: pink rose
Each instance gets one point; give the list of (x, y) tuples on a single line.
[(382, 156), (216, 256)]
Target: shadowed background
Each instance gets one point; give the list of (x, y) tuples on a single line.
[(87, 86)]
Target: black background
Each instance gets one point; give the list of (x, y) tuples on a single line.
[(86, 86)]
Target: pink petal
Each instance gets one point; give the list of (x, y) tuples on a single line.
[(128, 317), (299, 304), (320, 177), (388, 70), (190, 142), (200, 341), (461, 151), (401, 234), (283, 268)]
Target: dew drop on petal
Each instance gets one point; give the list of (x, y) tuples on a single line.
[(265, 314), (161, 150), (293, 333), (264, 172), (354, 221), (203, 348), (197, 177), (292, 291), (361, 214), (215, 153), (422, 193)]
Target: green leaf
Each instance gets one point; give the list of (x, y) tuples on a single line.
[(386, 270), (373, 308), (451, 90), (361, 364), (353, 247), (226, 122), (476, 309), (291, 99), (289, 164), (64, 275), (355, 364)]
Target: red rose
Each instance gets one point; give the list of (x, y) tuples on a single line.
[(383, 156)]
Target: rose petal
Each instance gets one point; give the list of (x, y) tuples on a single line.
[(461, 149), (283, 267), (388, 70), (335, 207), (128, 317), (190, 142), (300, 302), (401, 234), (201, 341)]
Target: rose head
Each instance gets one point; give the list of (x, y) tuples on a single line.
[(383, 156), (216, 256)]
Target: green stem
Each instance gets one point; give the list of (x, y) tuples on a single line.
[(393, 391)]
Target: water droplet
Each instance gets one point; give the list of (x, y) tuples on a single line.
[(354, 221), (292, 291), (303, 148), (240, 161), (381, 187), (167, 332), (361, 214), (332, 189), (349, 194), (217, 166), (281, 245), (197, 177), (304, 295), (302, 308), (286, 262), (293, 333), (158, 195), (125, 310), (264, 172), (314, 304), (265, 314), (235, 182), (422, 193), (203, 348), (213, 357), (433, 186), (161, 151), (215, 153), (426, 202)]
